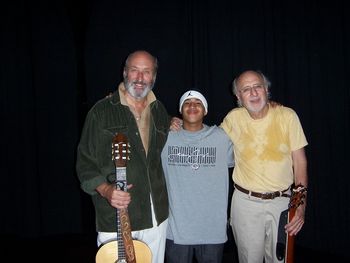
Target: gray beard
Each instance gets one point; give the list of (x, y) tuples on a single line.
[(129, 86)]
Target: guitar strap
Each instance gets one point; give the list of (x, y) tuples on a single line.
[(282, 236), (126, 235)]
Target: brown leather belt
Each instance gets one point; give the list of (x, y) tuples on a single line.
[(271, 195)]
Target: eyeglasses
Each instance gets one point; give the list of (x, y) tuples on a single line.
[(248, 89)]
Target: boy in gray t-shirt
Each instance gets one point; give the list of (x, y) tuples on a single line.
[(195, 161)]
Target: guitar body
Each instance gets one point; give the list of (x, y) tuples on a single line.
[(108, 253)]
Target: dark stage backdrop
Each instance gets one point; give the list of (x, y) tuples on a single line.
[(59, 57)]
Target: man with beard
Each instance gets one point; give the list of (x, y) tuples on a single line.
[(269, 154), (134, 111)]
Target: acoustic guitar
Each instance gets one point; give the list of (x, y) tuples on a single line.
[(124, 249), (285, 242)]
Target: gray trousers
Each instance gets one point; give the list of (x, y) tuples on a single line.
[(203, 253)]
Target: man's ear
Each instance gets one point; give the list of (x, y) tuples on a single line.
[(238, 99)]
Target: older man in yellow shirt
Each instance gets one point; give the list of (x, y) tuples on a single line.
[(269, 155)]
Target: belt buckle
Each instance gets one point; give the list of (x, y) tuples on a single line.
[(268, 195)]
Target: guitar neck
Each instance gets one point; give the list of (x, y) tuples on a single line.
[(297, 199), (120, 184), (121, 247), (289, 256), (126, 245)]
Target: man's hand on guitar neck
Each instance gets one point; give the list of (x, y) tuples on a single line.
[(295, 225), (115, 197)]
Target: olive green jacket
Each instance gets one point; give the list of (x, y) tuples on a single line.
[(95, 165)]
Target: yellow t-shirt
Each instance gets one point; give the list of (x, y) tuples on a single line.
[(263, 148)]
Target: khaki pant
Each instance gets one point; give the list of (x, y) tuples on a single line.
[(255, 226)]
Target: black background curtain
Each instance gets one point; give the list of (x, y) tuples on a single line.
[(59, 57)]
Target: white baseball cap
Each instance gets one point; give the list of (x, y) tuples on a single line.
[(196, 95)]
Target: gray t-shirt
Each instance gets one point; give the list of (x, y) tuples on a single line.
[(196, 172)]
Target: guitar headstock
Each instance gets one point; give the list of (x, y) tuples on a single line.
[(120, 150), (298, 196)]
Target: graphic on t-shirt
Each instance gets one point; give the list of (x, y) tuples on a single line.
[(191, 156)]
